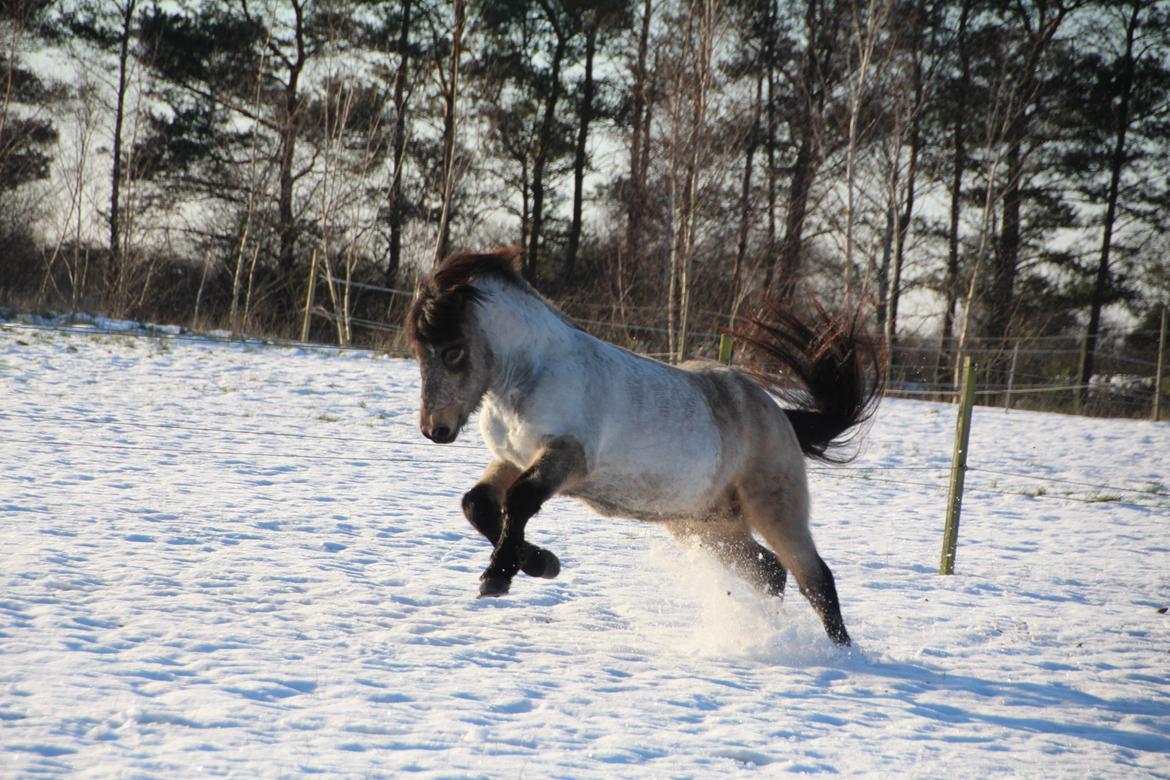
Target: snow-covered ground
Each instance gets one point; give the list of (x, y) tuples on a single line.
[(238, 560)]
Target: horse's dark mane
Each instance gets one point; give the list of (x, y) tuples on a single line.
[(436, 314), (463, 268)]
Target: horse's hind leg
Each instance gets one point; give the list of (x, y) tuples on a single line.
[(483, 508), (780, 515), (732, 542), (766, 569)]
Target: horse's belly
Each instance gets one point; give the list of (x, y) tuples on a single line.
[(637, 506), (662, 466), (643, 494)]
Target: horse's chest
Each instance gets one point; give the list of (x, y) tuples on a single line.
[(509, 437)]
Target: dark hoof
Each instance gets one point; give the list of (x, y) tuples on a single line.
[(491, 587), (541, 563)]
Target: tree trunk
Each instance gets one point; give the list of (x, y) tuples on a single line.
[(805, 167), (636, 195), (1116, 164), (289, 130), (543, 143), (865, 43), (450, 107), (394, 194), (958, 154), (883, 275), (698, 140), (895, 291), (1006, 257), (585, 116), (792, 244), (770, 144), (745, 200), (115, 270)]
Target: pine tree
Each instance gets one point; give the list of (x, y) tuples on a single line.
[(1117, 155)]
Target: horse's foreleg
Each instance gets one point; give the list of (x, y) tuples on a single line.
[(561, 462), (483, 508), (483, 504)]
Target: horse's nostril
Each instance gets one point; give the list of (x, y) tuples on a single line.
[(441, 434)]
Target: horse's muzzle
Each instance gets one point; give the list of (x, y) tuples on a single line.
[(442, 426), (440, 434)]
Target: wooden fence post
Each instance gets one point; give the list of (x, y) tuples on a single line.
[(1158, 371), (1007, 399), (958, 470), (725, 345), (309, 298)]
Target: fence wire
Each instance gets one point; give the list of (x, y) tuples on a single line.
[(1104, 492), (874, 474)]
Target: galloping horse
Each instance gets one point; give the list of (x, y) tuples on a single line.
[(701, 448)]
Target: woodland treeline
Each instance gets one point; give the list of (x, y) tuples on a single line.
[(979, 170)]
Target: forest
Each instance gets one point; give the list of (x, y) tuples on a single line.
[(987, 177)]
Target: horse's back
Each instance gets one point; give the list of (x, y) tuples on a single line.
[(660, 441)]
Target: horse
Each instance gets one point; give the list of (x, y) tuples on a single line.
[(700, 447)]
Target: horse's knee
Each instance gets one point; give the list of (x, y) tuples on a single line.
[(524, 499), (481, 507)]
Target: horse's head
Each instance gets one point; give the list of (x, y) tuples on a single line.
[(453, 357), (453, 353)]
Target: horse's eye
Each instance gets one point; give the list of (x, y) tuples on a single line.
[(453, 356)]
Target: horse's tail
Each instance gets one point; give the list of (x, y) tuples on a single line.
[(838, 365)]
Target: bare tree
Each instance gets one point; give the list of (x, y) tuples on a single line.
[(117, 246), (448, 78), (691, 154), (401, 101), (868, 26), (814, 79), (642, 92)]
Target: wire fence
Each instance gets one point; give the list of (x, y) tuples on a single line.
[(1039, 372), (1153, 496), (229, 441), (401, 451)]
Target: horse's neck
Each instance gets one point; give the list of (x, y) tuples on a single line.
[(523, 333)]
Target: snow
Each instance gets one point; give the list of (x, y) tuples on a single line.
[(225, 559)]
